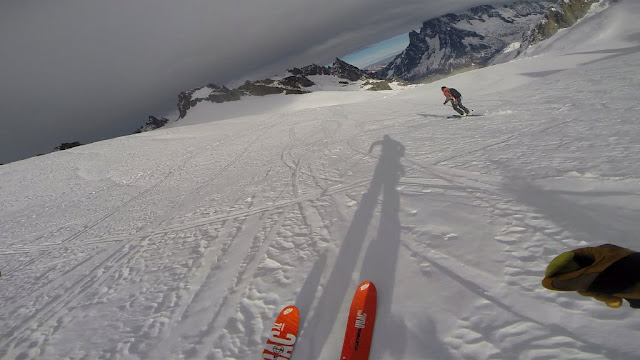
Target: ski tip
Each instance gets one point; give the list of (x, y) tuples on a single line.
[(367, 285), (283, 334), (290, 310)]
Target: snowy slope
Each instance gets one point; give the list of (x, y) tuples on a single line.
[(185, 242)]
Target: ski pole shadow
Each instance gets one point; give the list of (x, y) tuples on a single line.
[(431, 115), (381, 257), (307, 293), (318, 326)]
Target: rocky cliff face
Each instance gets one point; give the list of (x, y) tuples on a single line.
[(211, 93), (339, 69), (152, 124), (565, 14), (311, 70), (481, 36)]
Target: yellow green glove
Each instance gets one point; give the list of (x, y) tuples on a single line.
[(607, 273)]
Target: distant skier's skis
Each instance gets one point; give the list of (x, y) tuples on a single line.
[(460, 116), (283, 335), (362, 317)]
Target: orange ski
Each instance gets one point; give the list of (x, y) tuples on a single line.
[(362, 317), (283, 335)]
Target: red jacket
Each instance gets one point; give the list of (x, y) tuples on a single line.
[(448, 96)]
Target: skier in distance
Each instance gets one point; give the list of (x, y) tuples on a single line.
[(455, 97)]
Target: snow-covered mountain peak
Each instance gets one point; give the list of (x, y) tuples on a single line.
[(482, 36)]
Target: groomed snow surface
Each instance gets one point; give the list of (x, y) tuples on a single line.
[(185, 242)]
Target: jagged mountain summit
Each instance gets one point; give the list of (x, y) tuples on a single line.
[(152, 124), (340, 69), (482, 36)]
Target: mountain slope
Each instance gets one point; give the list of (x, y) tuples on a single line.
[(296, 81)]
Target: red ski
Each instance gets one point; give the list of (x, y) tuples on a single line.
[(283, 335), (362, 317)]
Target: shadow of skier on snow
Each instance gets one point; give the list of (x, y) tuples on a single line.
[(380, 260), (381, 257)]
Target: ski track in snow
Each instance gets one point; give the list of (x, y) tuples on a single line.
[(188, 249)]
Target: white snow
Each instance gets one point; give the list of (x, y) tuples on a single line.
[(202, 93), (512, 47), (185, 242)]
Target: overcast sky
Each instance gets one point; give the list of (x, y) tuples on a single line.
[(84, 70)]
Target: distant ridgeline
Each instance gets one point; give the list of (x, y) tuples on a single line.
[(453, 43), (295, 82)]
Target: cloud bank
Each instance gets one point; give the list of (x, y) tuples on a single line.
[(84, 70)]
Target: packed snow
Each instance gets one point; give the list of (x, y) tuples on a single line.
[(186, 242), (202, 93)]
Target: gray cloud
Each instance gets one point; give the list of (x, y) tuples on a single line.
[(83, 70)]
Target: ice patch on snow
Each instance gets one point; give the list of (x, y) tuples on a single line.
[(511, 47)]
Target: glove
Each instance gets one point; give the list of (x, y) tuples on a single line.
[(608, 273)]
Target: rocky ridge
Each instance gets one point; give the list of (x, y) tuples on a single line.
[(296, 81)]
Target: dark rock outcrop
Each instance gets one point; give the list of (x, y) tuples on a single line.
[(289, 85), (311, 70), (152, 124), (65, 146), (377, 85), (211, 93), (297, 81)]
